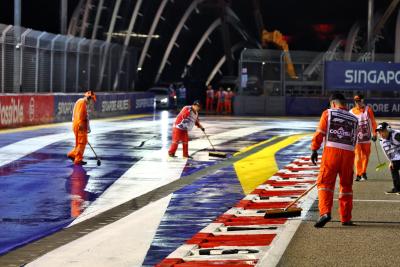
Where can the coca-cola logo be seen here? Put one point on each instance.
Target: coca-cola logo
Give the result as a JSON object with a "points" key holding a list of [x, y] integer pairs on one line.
{"points": [[12, 113], [340, 133]]}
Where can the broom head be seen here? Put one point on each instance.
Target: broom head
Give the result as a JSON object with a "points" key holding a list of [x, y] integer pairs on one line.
{"points": [[217, 154], [380, 166], [283, 213]]}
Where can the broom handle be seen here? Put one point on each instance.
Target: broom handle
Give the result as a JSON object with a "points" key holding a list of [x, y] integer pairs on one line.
{"points": [[377, 154], [93, 150], [209, 140], [302, 195]]}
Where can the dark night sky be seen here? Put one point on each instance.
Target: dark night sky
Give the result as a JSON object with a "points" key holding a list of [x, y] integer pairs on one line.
{"points": [[309, 24], [42, 15]]}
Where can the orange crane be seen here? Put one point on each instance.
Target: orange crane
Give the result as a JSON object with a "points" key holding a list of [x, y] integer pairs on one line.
{"points": [[277, 38]]}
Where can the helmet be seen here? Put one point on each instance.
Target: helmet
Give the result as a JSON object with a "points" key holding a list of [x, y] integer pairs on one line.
{"points": [[91, 94]]}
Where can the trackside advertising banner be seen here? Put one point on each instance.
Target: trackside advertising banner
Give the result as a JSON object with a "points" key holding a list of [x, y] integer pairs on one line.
{"points": [[303, 106], [107, 105], [344, 75], [21, 110]]}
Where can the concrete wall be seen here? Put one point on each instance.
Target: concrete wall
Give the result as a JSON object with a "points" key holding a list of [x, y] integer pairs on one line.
{"points": [[260, 105]]}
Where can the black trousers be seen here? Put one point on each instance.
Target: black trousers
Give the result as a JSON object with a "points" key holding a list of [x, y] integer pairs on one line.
{"points": [[395, 174]]}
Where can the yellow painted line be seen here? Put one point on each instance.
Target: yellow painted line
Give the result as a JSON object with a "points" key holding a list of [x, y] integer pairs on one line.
{"points": [[258, 167], [52, 125], [254, 146]]}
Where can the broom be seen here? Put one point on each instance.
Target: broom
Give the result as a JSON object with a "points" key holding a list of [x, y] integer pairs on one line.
{"points": [[380, 165], [97, 158], [288, 211], [214, 153]]}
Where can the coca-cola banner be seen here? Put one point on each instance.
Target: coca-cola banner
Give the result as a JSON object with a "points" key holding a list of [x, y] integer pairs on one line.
{"points": [[22, 110]]}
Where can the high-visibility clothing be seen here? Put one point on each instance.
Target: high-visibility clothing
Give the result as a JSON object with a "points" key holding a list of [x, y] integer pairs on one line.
{"points": [[186, 119], [220, 101], [362, 152], [80, 127], [210, 93], [338, 128], [391, 146], [228, 102], [366, 123], [184, 122], [179, 136], [366, 128], [209, 99]]}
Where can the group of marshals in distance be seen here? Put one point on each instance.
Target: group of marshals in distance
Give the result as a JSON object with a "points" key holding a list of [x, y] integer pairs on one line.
{"points": [[346, 136]]}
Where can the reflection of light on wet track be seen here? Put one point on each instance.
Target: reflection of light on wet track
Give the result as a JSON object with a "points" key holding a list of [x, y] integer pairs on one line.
{"points": [[126, 171], [164, 130]]}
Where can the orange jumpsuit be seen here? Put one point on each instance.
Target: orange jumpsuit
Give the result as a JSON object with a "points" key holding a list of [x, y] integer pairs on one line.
{"points": [[337, 158], [228, 102], [220, 101], [80, 125], [209, 99], [366, 126], [184, 122]]}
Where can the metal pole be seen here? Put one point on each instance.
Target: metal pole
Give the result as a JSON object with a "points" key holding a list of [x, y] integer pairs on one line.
{"points": [[126, 43], [226, 37], [37, 62], [17, 13], [52, 62], [3, 51], [23, 37], [97, 19], [65, 73], [17, 36], [63, 16], [77, 71], [370, 25], [262, 76]]}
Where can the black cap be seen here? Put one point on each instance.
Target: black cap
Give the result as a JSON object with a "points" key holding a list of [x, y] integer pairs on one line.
{"points": [[358, 97], [382, 126], [197, 103], [337, 96]]}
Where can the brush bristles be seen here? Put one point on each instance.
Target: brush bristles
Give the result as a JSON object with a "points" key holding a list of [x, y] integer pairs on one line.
{"points": [[282, 213], [217, 154]]}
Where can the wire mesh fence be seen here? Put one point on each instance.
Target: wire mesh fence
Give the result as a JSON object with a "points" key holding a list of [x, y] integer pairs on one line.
{"points": [[267, 72], [41, 62]]}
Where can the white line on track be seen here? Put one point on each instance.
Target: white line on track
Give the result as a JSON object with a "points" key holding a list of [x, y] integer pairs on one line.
{"points": [[280, 243], [152, 171]]}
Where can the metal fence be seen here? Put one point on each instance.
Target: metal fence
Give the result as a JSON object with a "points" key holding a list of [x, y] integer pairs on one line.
{"points": [[265, 72], [33, 61]]}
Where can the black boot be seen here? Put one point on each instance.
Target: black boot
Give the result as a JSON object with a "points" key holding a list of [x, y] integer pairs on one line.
{"points": [[349, 223], [323, 220], [71, 158], [358, 178], [364, 177]]}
